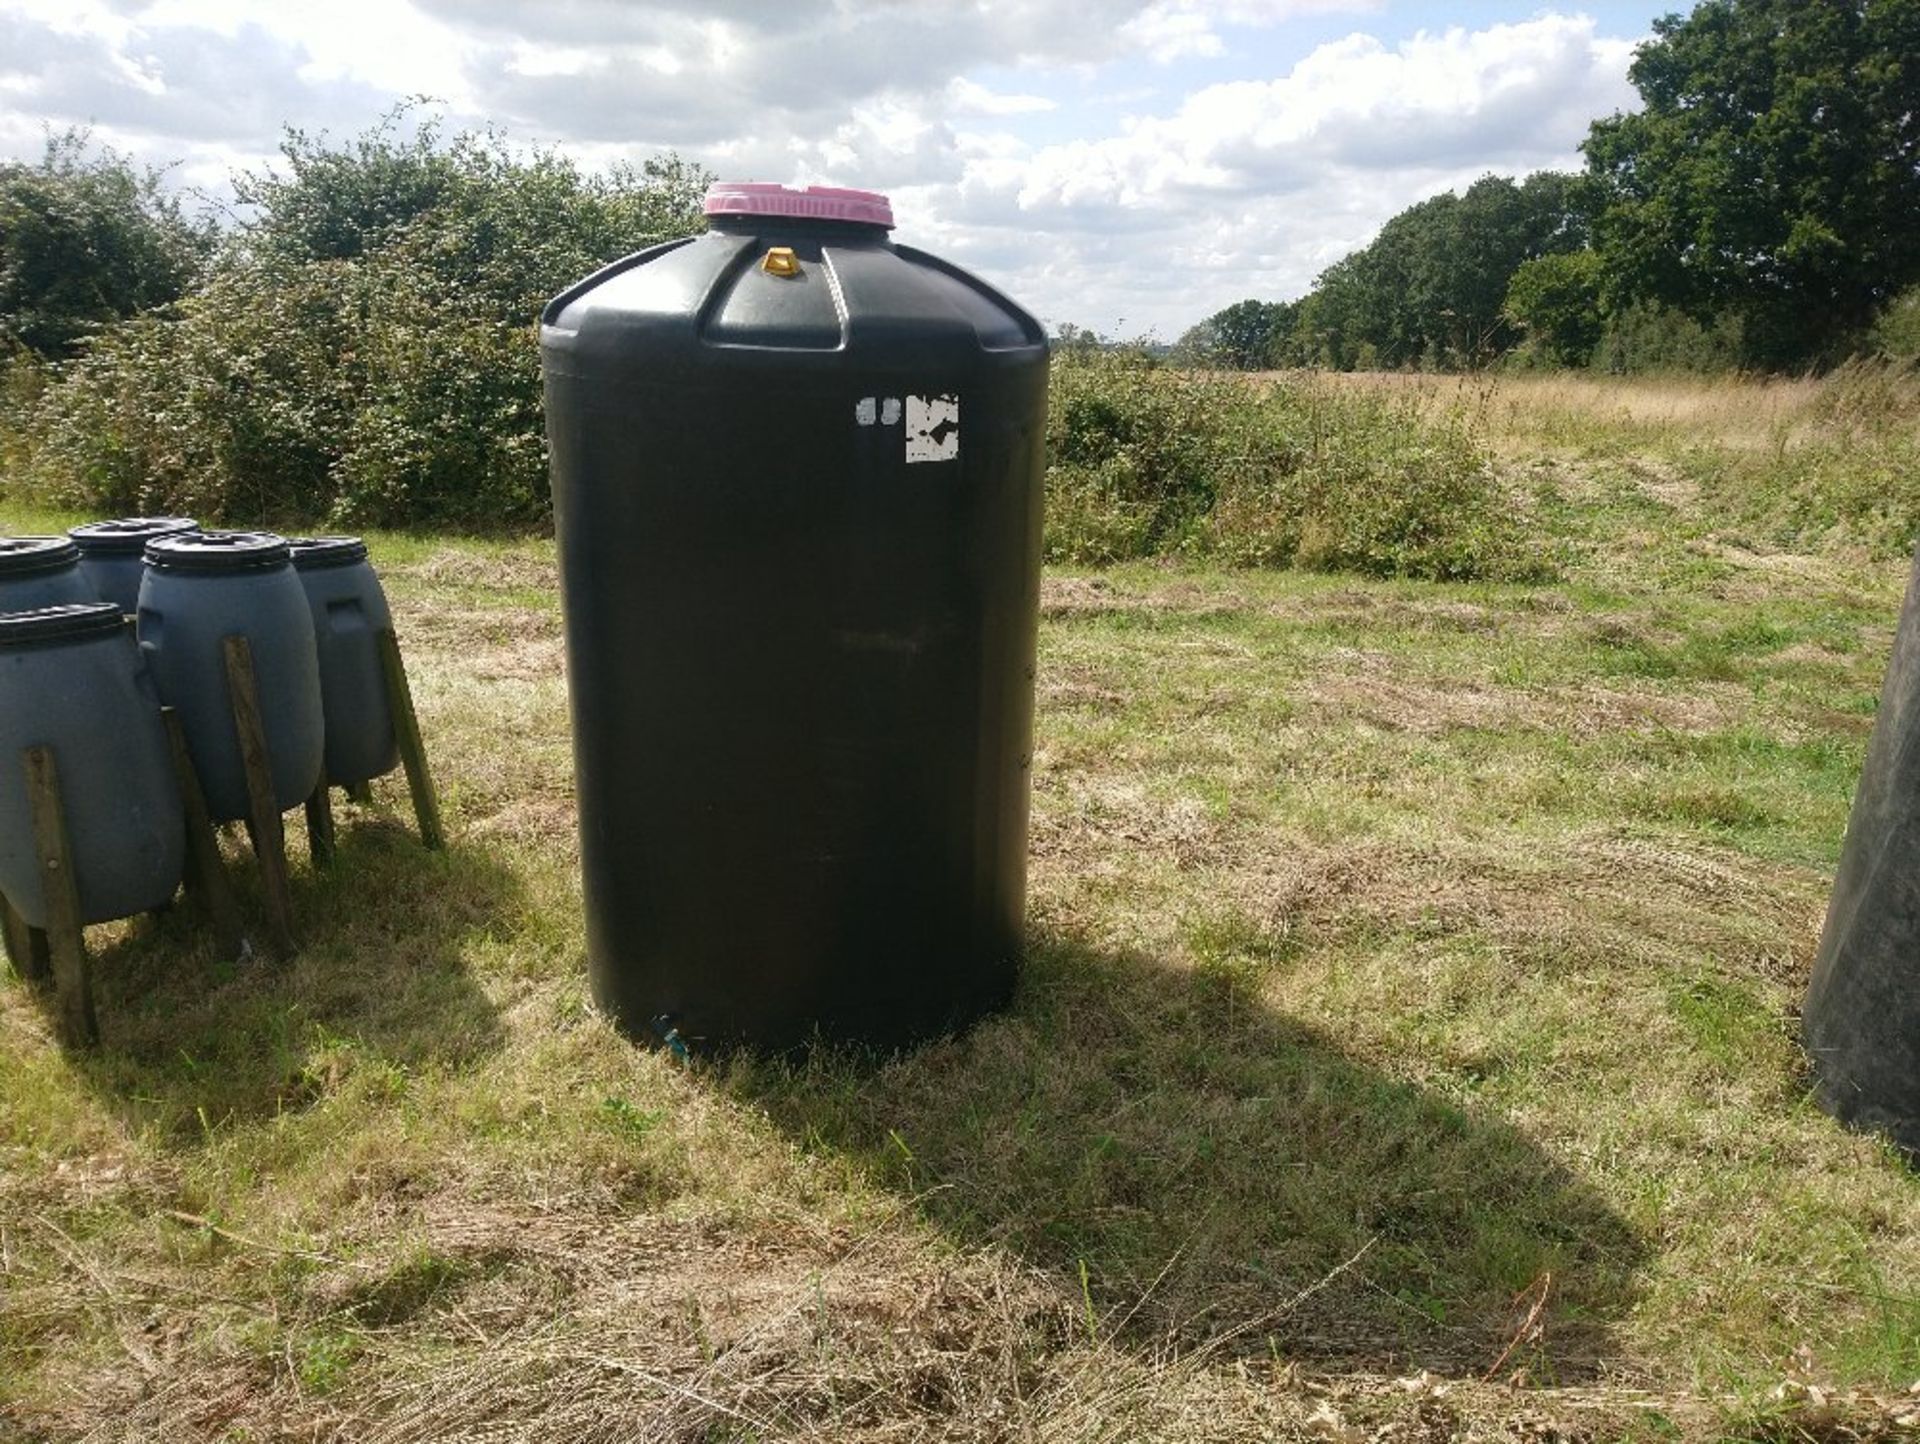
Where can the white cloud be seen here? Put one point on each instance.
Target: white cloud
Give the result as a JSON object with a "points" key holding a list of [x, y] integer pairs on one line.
{"points": [[185, 83], [204, 87], [965, 97], [1509, 97], [381, 43], [1253, 187], [1170, 30]]}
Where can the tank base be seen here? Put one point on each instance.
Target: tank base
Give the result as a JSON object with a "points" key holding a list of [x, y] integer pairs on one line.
{"points": [[884, 1028]]}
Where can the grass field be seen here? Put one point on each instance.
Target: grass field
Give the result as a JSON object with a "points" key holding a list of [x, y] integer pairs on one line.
{"points": [[1406, 1050]]}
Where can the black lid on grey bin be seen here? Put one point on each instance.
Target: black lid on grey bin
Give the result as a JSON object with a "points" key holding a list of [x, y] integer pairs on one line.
{"points": [[67, 623], [23, 556], [128, 533], [218, 551], [326, 551]]}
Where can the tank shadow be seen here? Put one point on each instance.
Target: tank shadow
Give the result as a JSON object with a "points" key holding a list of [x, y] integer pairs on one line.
{"points": [[190, 1039], [1193, 1169]]}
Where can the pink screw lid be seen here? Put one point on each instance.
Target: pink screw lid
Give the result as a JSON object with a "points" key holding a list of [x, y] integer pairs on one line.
{"points": [[813, 203]]}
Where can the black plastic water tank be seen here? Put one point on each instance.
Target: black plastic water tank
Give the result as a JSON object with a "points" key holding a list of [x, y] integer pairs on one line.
{"points": [[113, 553], [797, 483], [41, 571]]}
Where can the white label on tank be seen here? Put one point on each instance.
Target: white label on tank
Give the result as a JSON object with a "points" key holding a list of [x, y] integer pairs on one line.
{"points": [[865, 410], [933, 428], [890, 411]]}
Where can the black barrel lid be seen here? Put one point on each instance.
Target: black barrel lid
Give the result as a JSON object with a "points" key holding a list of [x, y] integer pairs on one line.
{"points": [[327, 551], [59, 624], [129, 533], [22, 556], [218, 551]]}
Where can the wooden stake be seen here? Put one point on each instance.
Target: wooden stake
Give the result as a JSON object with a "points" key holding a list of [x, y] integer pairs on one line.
{"points": [[13, 937], [26, 947], [406, 731], [206, 873], [73, 987], [269, 837], [39, 957], [320, 825]]}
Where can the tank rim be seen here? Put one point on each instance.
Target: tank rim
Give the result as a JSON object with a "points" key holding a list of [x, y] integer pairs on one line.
{"points": [[313, 552], [128, 534], [218, 552], [25, 556], [70, 622]]}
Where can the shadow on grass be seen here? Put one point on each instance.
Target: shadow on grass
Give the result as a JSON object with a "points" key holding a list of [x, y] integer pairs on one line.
{"points": [[191, 1040], [1195, 1169]]}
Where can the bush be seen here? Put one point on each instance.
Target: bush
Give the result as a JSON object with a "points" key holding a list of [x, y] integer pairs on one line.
{"points": [[85, 239], [23, 380], [1147, 461], [364, 351], [1136, 454]]}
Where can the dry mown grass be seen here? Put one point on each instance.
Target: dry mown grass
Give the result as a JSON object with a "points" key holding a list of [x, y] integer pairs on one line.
{"points": [[1795, 466], [1406, 1053], [1521, 408]]}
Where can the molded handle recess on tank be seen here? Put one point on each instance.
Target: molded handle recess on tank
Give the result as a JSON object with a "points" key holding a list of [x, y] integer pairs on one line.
{"points": [[551, 314], [1036, 333]]}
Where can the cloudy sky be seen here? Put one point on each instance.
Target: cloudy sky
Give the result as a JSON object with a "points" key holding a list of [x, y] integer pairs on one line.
{"points": [[1130, 165]]}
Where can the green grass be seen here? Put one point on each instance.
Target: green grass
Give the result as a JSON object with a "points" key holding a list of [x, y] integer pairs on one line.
{"points": [[1410, 1012]]}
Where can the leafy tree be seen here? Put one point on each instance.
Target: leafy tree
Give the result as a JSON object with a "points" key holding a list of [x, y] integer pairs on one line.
{"points": [[1645, 336], [1325, 323], [1464, 272], [1070, 339], [1431, 288], [85, 239], [1555, 300], [1773, 171], [1242, 336]]}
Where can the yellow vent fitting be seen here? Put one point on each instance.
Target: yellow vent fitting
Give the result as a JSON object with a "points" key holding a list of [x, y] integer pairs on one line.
{"points": [[780, 261]]}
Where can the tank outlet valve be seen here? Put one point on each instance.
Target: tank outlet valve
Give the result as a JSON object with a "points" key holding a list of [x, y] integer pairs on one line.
{"points": [[670, 1036], [780, 261]]}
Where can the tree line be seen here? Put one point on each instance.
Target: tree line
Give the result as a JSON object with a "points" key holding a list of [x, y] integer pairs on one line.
{"points": [[1758, 211]]}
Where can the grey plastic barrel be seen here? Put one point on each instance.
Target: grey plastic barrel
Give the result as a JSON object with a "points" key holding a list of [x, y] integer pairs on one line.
{"points": [[200, 589], [797, 485], [1862, 1015], [72, 679], [349, 613], [41, 571], [113, 553]]}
